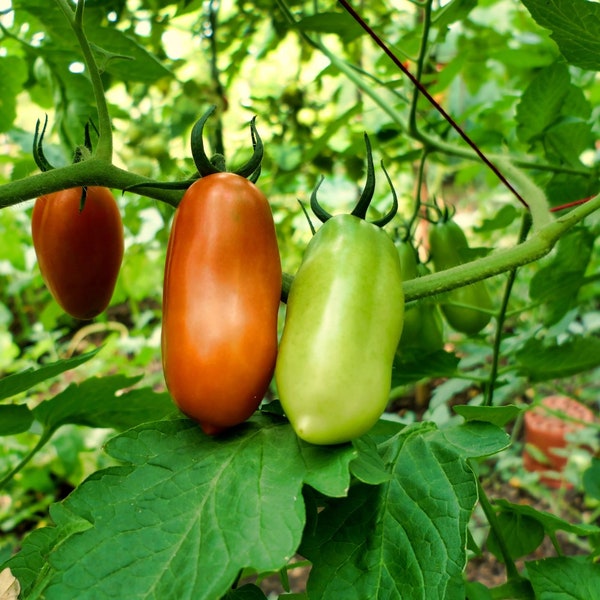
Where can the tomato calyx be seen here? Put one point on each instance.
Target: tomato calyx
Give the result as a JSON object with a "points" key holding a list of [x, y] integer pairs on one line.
{"points": [[209, 166], [38, 148], [364, 201]]}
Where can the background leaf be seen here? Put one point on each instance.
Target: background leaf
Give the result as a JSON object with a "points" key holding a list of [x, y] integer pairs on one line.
{"points": [[575, 26], [541, 361]]}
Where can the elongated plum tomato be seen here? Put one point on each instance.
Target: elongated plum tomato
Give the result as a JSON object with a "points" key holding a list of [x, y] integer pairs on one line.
{"points": [[469, 306], [343, 323], [220, 301], [79, 252]]}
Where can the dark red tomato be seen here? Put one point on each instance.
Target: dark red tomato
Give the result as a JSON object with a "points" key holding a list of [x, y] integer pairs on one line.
{"points": [[79, 252], [220, 301]]}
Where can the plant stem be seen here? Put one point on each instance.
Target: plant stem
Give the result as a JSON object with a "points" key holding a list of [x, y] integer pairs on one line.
{"points": [[499, 261], [512, 275], [46, 435], [104, 148], [490, 514], [90, 172]]}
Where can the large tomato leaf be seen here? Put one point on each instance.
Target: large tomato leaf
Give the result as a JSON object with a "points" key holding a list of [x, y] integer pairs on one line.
{"points": [[564, 577], [186, 512], [575, 26], [405, 538]]}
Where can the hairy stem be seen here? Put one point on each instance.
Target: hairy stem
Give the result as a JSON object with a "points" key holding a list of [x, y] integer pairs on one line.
{"points": [[90, 172], [104, 149]]}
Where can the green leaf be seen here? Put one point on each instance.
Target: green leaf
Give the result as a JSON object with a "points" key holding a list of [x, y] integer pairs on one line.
{"points": [[542, 101], [24, 380], [497, 415], [542, 361], [143, 66], [557, 283], [416, 365], [591, 479], [368, 466], [501, 220], [405, 538], [15, 418], [550, 522], [521, 533], [457, 10], [13, 73], [186, 511], [575, 26], [565, 577], [340, 23], [97, 402]]}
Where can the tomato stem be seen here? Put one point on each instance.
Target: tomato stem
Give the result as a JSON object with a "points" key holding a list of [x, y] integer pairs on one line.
{"points": [[250, 170], [360, 210], [38, 150], [105, 141]]}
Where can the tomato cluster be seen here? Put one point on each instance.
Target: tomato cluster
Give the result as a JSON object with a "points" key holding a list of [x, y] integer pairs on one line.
{"points": [[345, 319]]}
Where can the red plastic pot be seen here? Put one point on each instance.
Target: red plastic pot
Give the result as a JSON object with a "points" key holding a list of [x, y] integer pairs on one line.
{"points": [[547, 432]]}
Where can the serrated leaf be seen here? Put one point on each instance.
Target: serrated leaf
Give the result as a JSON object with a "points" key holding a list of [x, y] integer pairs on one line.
{"points": [[542, 361], [497, 415], [575, 27], [24, 380], [574, 578], [186, 511], [402, 539], [97, 402]]}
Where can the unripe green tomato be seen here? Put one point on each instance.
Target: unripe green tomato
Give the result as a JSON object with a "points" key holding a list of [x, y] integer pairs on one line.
{"points": [[446, 242], [343, 324]]}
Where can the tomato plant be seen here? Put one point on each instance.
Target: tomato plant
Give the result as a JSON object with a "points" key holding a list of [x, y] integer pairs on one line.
{"points": [[79, 248], [222, 286]]}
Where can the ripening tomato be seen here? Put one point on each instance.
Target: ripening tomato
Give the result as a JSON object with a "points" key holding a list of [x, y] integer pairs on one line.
{"points": [[343, 323], [221, 296], [79, 251], [467, 308]]}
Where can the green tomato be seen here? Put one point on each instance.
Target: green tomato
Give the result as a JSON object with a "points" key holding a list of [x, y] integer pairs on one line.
{"points": [[467, 308], [344, 320]]}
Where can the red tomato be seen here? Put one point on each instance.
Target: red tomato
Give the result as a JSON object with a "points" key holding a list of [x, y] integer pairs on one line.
{"points": [[79, 252], [220, 301]]}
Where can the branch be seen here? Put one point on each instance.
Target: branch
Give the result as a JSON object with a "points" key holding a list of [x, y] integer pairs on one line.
{"points": [[89, 172]]}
